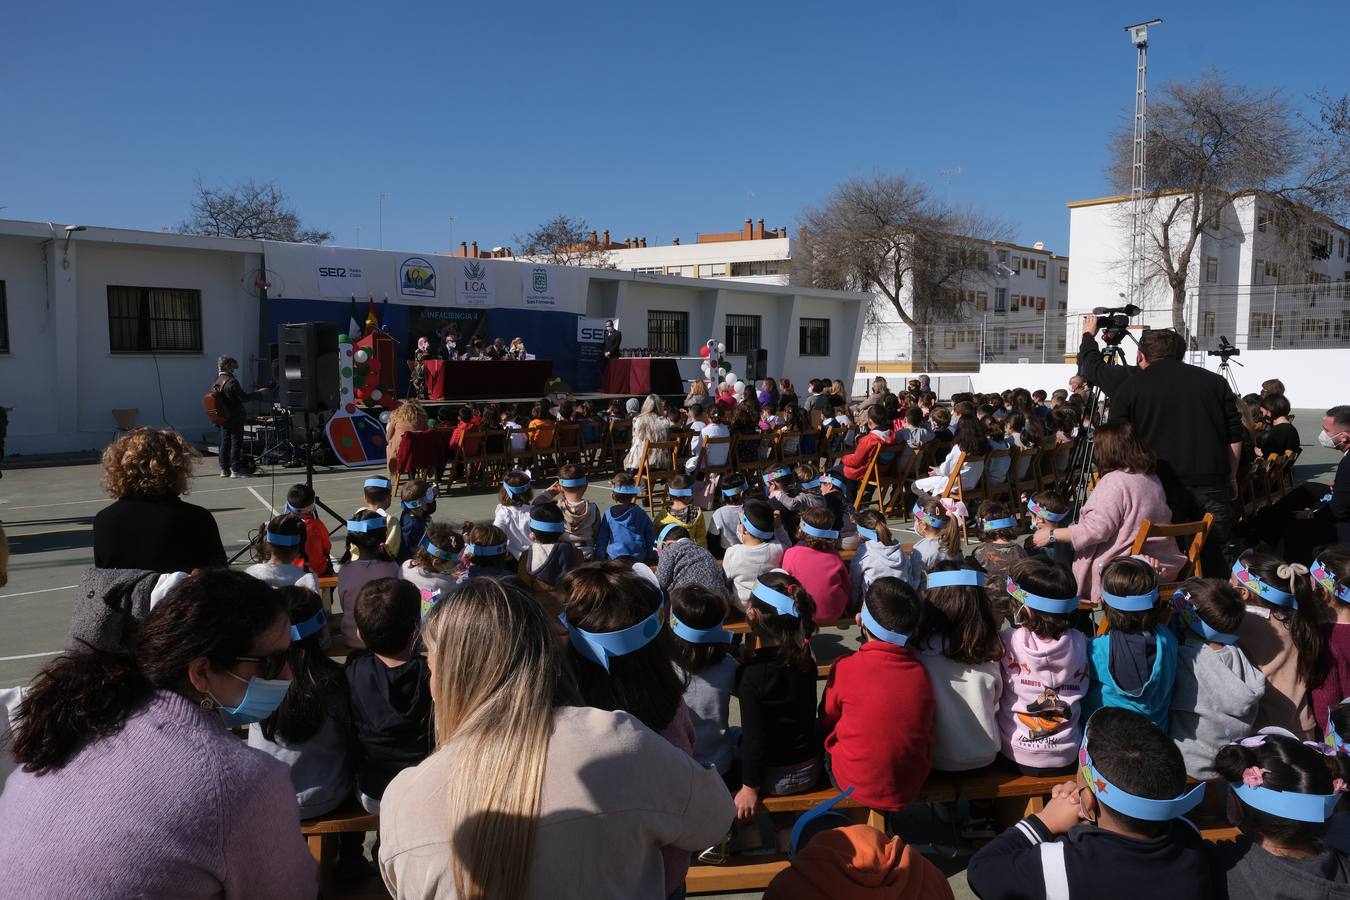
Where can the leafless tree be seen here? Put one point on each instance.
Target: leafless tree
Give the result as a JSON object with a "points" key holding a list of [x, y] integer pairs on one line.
{"points": [[888, 235], [248, 210], [1210, 142], [564, 241]]}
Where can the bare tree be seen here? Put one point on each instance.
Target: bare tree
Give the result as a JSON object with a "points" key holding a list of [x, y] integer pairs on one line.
{"points": [[1210, 142], [565, 241], [888, 235], [248, 210]]}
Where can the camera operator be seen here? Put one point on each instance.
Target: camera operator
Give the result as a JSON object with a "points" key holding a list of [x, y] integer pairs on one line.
{"points": [[1092, 365], [1188, 417]]}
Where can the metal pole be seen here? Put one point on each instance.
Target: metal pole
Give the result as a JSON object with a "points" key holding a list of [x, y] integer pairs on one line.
{"points": [[383, 195], [1274, 303], [984, 340], [1045, 332]]}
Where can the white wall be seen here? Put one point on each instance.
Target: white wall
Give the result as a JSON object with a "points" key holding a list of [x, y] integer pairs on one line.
{"points": [[995, 377], [28, 370]]}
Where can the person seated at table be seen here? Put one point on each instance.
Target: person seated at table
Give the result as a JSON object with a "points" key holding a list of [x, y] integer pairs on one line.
{"points": [[517, 349], [450, 349], [496, 350]]}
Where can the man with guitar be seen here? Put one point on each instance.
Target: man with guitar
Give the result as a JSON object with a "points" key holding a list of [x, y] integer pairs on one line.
{"points": [[225, 407]]}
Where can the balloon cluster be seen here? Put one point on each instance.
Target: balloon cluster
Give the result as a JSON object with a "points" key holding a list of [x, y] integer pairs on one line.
{"points": [[716, 367], [362, 382]]}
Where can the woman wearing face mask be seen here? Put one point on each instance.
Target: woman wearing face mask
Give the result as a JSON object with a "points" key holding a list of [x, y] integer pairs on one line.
{"points": [[131, 783], [1321, 516]]}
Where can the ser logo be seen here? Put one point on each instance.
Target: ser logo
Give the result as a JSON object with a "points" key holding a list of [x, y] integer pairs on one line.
{"points": [[333, 271], [593, 334]]}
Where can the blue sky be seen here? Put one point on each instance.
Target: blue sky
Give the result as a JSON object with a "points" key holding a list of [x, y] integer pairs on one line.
{"points": [[651, 119]]}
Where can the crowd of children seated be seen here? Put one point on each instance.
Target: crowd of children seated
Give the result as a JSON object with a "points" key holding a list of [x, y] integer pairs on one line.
{"points": [[972, 657]]}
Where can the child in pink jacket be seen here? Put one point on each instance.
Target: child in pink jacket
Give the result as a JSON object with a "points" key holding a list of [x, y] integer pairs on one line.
{"points": [[814, 561], [1045, 671]]}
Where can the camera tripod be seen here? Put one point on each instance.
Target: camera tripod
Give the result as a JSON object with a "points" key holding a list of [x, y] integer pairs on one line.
{"points": [[1226, 370], [1077, 477]]}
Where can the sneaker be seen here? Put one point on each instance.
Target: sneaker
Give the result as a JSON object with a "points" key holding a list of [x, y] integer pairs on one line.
{"points": [[238, 475], [717, 854], [224, 474]]}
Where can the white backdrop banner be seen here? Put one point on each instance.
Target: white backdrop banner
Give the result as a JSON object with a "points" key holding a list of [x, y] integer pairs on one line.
{"points": [[538, 285], [340, 273], [473, 283]]}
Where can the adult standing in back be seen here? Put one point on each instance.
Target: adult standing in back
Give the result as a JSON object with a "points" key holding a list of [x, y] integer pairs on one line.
{"points": [[1188, 417], [232, 429], [149, 525], [613, 340]]}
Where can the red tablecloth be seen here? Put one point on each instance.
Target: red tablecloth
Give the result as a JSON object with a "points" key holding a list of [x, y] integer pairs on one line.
{"points": [[642, 376], [471, 378]]}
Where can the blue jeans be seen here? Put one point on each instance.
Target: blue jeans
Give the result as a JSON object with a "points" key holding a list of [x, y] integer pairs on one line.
{"points": [[231, 445]]}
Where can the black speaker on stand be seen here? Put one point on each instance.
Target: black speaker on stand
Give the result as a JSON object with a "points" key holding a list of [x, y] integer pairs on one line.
{"points": [[307, 357], [756, 365]]}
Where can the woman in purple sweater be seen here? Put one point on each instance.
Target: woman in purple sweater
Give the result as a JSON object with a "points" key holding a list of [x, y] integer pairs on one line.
{"points": [[1128, 493], [131, 783]]}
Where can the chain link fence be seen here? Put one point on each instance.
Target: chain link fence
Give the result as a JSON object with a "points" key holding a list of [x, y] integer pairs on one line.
{"points": [[1271, 317]]}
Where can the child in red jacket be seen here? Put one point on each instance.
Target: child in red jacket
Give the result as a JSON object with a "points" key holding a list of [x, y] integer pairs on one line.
{"points": [[318, 545], [879, 439], [883, 682]]}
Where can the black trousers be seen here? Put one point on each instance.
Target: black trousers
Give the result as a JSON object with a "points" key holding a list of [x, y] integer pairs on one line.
{"points": [[231, 445], [1189, 503]]}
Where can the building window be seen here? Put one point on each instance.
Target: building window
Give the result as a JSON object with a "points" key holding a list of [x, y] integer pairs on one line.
{"points": [[154, 320], [1208, 329], [686, 271], [713, 270], [982, 301], [1212, 269], [815, 337], [1263, 218], [1000, 300], [4, 320], [1040, 268], [1040, 304], [668, 331], [649, 270], [759, 267], [1272, 270], [1315, 329], [949, 340], [742, 334], [1003, 257], [1063, 274]]}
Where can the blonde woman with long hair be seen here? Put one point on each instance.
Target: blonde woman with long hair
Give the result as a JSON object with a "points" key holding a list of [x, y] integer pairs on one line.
{"points": [[407, 416], [529, 795]]}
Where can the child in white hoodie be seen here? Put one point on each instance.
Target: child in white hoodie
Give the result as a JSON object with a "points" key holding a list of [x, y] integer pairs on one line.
{"points": [[880, 555], [1217, 690]]}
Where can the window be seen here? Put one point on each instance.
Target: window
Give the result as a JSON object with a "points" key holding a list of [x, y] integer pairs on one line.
{"points": [[1340, 247], [1063, 274], [1272, 269], [1017, 264], [668, 331], [649, 270], [1315, 329], [982, 260], [982, 300], [4, 321], [154, 320], [1040, 268], [742, 334], [713, 270], [1040, 304], [814, 337], [1263, 218], [1000, 300], [1261, 322], [1207, 330], [687, 271], [1319, 244], [949, 340], [1212, 269], [759, 267], [1003, 256]]}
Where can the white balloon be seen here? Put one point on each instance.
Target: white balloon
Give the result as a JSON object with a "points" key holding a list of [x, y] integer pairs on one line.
{"points": [[361, 356], [731, 378], [375, 395], [739, 387], [384, 417], [721, 347]]}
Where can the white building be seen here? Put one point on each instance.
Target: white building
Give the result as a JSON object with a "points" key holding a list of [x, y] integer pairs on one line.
{"points": [[98, 319]]}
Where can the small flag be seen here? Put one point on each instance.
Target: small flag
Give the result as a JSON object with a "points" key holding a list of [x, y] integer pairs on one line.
{"points": [[372, 321], [384, 315], [353, 326]]}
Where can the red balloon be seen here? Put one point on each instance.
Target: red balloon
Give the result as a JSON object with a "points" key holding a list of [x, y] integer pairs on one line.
{"points": [[703, 351]]}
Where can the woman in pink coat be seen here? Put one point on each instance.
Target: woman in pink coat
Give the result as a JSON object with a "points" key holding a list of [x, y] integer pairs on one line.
{"points": [[1128, 493]]}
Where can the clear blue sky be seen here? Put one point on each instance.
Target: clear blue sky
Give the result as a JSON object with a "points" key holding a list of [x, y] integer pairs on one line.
{"points": [[655, 119]]}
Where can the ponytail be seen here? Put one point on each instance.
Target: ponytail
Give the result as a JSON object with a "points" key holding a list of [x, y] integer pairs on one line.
{"points": [[793, 633], [1300, 617]]}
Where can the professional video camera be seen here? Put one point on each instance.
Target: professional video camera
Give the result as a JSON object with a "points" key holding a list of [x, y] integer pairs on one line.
{"points": [[1226, 350], [1115, 322]]}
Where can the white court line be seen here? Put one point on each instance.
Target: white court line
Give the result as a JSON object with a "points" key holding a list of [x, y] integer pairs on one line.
{"points": [[30, 656], [69, 587], [267, 506], [233, 487]]}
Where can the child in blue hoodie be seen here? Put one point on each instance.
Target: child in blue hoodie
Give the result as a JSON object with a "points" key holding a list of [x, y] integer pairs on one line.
{"points": [[1134, 664], [626, 530]]}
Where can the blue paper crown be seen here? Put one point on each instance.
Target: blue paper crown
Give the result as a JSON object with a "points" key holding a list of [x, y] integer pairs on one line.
{"points": [[776, 474], [485, 549], [515, 490], [365, 526], [956, 578], [732, 491], [600, 646], [435, 551], [781, 602], [866, 533], [573, 482], [1131, 602], [836, 481], [1333, 736], [1056, 606], [302, 630], [808, 485], [547, 527], [1128, 804], [1268, 592], [1328, 580], [299, 510], [284, 540], [1040, 511], [627, 490], [815, 812], [414, 504], [377, 482], [1187, 610], [680, 492], [1316, 808], [929, 519], [661, 538], [714, 635], [996, 524], [757, 532], [827, 534], [879, 631]]}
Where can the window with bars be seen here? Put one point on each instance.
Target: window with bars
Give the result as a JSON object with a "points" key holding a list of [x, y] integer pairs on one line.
{"points": [[1000, 300], [154, 320], [742, 334], [4, 320], [815, 337], [668, 331]]}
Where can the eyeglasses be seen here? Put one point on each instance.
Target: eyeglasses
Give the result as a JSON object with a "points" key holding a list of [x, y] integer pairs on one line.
{"points": [[272, 665]]}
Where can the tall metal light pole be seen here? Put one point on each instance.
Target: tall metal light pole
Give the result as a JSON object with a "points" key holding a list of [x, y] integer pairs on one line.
{"points": [[383, 197], [1138, 236]]}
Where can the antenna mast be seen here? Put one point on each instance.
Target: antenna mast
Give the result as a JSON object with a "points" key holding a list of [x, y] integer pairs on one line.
{"points": [[1139, 37]]}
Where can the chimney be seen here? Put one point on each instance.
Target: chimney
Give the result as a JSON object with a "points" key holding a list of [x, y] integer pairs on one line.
{"points": [[593, 238], [475, 249], [759, 230], [463, 248], [642, 242], [749, 231], [606, 237], [675, 243]]}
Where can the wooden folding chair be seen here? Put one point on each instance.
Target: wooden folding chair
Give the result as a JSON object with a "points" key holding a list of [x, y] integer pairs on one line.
{"points": [[990, 491], [618, 441], [1199, 532], [746, 451], [648, 475], [706, 469], [786, 441], [870, 481], [954, 489], [1024, 478], [566, 444], [592, 443]]}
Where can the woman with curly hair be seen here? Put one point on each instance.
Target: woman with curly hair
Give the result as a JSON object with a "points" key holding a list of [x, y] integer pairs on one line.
{"points": [[148, 525], [409, 416]]}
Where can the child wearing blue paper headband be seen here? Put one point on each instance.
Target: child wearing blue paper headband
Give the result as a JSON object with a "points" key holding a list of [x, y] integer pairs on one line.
{"points": [[756, 551], [1045, 670], [788, 499], [417, 502], [377, 491], [485, 553], [1282, 795], [1217, 690], [318, 545], [433, 565], [681, 561], [880, 555], [1048, 510], [1330, 574], [366, 559], [702, 649], [1279, 634], [581, 517], [1134, 664], [998, 552], [939, 532], [280, 543], [814, 561], [512, 514], [550, 556], [1111, 832], [626, 531], [681, 510], [834, 491]]}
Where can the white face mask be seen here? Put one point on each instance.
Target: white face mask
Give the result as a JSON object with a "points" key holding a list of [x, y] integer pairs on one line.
{"points": [[1326, 440]]}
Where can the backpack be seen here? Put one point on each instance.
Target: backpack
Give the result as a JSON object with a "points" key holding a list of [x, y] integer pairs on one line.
{"points": [[217, 410]]}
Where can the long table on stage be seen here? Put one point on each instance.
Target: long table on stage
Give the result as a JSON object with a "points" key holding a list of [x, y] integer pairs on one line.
{"points": [[470, 379], [642, 375]]}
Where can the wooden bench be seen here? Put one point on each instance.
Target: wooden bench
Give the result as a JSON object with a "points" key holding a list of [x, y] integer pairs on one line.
{"points": [[321, 834]]}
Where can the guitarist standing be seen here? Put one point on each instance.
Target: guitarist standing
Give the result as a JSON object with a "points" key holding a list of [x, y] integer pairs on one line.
{"points": [[233, 398]]}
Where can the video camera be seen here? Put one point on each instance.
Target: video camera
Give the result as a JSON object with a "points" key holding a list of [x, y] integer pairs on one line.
{"points": [[1226, 350], [1115, 322]]}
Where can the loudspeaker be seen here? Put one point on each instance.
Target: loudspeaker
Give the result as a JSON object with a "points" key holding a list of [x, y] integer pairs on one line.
{"points": [[308, 363], [756, 365]]}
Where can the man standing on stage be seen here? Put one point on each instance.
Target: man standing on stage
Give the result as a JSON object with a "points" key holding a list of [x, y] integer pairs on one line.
{"points": [[613, 339], [232, 429]]}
